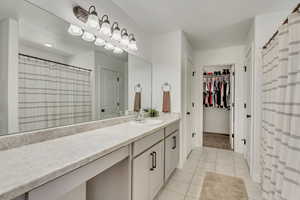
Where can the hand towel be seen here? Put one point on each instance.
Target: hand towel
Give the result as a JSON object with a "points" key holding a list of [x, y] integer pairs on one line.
{"points": [[166, 102], [137, 102]]}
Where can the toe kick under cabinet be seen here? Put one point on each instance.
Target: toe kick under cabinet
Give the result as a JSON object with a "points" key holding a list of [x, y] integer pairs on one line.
{"points": [[155, 158]]}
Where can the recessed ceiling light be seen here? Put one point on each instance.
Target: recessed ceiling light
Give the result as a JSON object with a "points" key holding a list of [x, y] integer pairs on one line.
{"points": [[48, 45]]}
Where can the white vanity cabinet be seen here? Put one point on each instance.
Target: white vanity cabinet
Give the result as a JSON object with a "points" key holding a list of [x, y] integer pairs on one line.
{"points": [[171, 153], [137, 171], [148, 173], [148, 166], [156, 157]]}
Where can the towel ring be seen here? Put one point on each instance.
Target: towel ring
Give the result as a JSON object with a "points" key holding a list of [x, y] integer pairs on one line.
{"points": [[166, 87], [138, 88]]}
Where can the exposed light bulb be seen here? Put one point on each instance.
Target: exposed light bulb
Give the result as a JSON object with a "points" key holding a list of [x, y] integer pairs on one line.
{"points": [[125, 38], [105, 26], [75, 30], [89, 37], [109, 46], [118, 50], [99, 42], [116, 33], [105, 29], [93, 20], [132, 45]]}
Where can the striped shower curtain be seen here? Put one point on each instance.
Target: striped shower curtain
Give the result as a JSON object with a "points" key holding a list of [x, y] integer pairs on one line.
{"points": [[281, 114]]}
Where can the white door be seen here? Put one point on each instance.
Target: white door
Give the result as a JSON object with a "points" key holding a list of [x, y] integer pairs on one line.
{"points": [[247, 106], [109, 94], [188, 125]]}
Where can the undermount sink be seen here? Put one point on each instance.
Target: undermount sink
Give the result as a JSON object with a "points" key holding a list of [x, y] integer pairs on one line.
{"points": [[147, 122]]}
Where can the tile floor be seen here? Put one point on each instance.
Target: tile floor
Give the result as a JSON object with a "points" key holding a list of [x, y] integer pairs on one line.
{"points": [[186, 183]]}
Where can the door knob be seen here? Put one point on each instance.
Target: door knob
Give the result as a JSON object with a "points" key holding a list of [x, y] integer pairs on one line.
{"points": [[188, 113], [102, 110], [248, 116]]}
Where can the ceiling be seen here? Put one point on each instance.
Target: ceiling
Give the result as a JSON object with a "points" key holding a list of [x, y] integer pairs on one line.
{"points": [[207, 23]]}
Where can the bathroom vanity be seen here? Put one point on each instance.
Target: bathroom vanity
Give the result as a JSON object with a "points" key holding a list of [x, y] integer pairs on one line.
{"points": [[124, 161]]}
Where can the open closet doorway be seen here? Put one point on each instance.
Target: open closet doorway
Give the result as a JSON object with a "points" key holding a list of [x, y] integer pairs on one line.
{"points": [[218, 106]]}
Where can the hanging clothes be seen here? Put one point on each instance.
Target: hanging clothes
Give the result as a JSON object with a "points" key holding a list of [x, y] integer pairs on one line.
{"points": [[216, 90]]}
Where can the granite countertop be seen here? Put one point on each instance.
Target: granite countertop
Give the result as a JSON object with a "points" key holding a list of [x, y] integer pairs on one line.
{"points": [[25, 168]]}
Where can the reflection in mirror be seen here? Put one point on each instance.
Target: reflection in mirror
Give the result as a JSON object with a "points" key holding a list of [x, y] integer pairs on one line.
{"points": [[51, 78], [139, 83]]}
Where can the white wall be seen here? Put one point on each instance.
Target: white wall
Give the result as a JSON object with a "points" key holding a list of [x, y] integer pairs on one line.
{"points": [[139, 72], [167, 67], [229, 55], [41, 53], [166, 60], [9, 76], [85, 60]]}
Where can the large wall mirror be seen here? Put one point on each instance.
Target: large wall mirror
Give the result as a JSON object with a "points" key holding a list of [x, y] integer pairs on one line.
{"points": [[50, 78]]}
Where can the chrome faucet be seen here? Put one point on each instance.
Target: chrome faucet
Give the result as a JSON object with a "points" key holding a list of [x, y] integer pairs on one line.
{"points": [[140, 116]]}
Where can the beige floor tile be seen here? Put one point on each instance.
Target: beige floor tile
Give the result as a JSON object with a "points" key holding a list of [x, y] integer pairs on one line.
{"points": [[169, 195], [181, 176], [177, 186], [189, 180]]}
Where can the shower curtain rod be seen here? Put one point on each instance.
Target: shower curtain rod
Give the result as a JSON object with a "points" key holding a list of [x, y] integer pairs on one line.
{"points": [[51, 61], [285, 22]]}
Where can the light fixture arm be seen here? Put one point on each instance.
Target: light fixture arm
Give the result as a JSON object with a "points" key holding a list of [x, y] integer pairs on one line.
{"points": [[131, 37], [92, 10], [115, 26], [124, 31], [104, 18]]}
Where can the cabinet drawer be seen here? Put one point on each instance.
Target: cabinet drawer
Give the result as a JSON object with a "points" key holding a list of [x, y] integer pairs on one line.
{"points": [[172, 128], [147, 142]]}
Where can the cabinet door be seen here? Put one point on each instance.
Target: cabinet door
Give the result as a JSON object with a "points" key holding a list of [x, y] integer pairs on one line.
{"points": [[157, 174], [175, 150], [171, 154], [141, 176]]}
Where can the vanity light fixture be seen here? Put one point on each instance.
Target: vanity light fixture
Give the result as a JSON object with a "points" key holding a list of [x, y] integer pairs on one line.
{"points": [[132, 43], [105, 28], [99, 42], [118, 50], [109, 46], [93, 20], [125, 37], [87, 36], [116, 32], [99, 29], [75, 30]]}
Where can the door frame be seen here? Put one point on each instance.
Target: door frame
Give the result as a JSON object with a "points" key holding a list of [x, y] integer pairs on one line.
{"points": [[197, 94], [250, 50]]}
